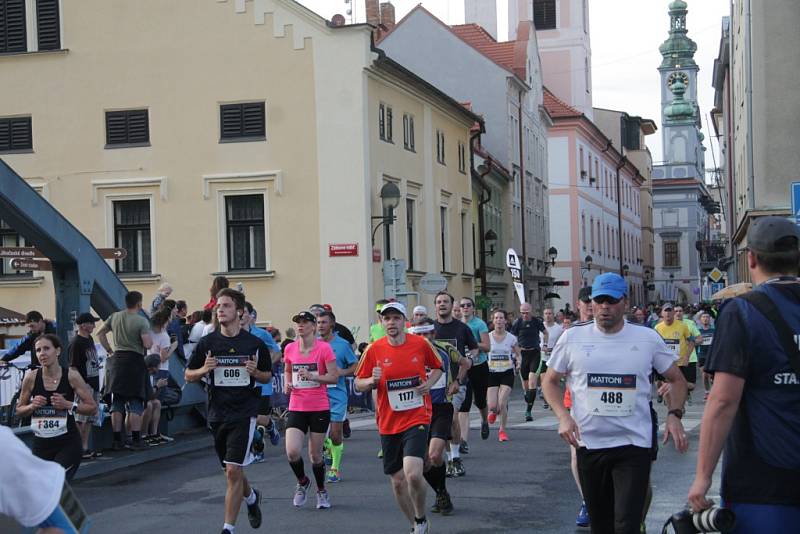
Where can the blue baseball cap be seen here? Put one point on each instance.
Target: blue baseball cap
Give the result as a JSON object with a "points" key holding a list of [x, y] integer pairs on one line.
{"points": [[610, 284]]}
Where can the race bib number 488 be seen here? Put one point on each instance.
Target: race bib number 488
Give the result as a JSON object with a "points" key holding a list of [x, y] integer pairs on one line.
{"points": [[611, 395]]}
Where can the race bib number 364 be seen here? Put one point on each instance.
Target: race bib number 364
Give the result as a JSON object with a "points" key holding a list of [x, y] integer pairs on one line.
{"points": [[231, 372], [611, 395], [403, 394]]}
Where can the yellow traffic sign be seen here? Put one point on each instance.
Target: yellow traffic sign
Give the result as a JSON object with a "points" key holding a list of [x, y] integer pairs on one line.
{"points": [[715, 275]]}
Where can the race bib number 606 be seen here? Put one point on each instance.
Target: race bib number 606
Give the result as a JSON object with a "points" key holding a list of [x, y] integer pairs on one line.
{"points": [[611, 395], [231, 371]]}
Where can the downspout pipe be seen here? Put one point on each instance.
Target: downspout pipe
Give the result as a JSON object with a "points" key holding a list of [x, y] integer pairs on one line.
{"points": [[522, 189], [748, 46]]}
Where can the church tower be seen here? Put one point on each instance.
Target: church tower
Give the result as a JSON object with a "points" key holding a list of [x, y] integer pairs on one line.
{"points": [[682, 138]]}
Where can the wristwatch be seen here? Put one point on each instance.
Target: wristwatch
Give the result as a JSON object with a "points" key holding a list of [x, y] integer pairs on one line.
{"points": [[677, 412], [74, 409]]}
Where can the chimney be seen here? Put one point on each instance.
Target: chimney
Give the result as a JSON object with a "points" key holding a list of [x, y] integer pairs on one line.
{"points": [[373, 12], [387, 15]]}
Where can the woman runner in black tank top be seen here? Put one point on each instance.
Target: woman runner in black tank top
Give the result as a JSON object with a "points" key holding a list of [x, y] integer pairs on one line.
{"points": [[48, 396]]}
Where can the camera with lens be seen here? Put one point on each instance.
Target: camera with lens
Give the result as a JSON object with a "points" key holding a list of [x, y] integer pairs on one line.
{"points": [[713, 519]]}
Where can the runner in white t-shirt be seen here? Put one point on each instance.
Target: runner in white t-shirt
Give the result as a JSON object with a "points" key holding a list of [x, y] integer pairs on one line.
{"points": [[554, 331], [607, 363], [504, 361]]}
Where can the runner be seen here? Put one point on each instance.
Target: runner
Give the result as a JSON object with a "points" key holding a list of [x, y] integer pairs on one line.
{"points": [[459, 335], [527, 329], [396, 366], [442, 414], [337, 393], [83, 358], [478, 374], [309, 365], [585, 314], [678, 339], [503, 365], [607, 363], [51, 396], [707, 338], [691, 367], [553, 333], [233, 360]]}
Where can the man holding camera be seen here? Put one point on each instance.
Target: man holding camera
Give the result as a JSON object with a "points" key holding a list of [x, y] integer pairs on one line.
{"points": [[608, 363], [754, 407]]}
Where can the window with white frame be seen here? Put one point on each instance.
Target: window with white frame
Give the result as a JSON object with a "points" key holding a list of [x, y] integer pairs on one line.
{"points": [[408, 131], [132, 232], [462, 157], [245, 232], [440, 147]]}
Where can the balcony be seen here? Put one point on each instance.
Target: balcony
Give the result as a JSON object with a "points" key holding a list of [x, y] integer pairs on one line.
{"points": [[711, 251]]}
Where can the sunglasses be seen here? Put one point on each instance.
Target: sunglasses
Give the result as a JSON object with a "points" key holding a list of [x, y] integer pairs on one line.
{"points": [[606, 299], [466, 305]]}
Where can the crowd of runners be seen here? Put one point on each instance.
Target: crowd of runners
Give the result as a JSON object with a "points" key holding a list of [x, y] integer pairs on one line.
{"points": [[599, 371]]}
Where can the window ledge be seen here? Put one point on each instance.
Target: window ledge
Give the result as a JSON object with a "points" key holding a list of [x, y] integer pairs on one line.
{"points": [[21, 281], [34, 52], [448, 274], [125, 145], [247, 275], [410, 149], [19, 151], [243, 139], [467, 276], [414, 274], [140, 277]]}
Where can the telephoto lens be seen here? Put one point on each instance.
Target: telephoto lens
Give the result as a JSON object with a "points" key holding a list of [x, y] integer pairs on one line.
{"points": [[714, 520]]}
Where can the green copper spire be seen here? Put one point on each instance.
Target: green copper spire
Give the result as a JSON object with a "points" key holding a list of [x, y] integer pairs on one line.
{"points": [[678, 50], [679, 109]]}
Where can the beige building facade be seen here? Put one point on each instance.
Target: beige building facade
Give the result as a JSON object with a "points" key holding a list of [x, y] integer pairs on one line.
{"points": [[232, 138]]}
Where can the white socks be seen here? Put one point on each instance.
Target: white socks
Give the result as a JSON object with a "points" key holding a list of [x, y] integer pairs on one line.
{"points": [[251, 499], [454, 451]]}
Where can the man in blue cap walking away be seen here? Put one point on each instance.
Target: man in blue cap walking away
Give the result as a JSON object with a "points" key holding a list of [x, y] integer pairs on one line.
{"points": [[607, 363]]}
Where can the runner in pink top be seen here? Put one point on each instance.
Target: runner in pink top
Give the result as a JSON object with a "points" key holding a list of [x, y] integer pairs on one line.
{"points": [[310, 365]]}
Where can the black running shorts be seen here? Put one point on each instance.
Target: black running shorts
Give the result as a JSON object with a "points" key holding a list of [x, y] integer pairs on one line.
{"points": [[232, 440], [689, 372], [265, 405], [442, 421], [412, 442], [506, 378], [316, 422], [476, 387], [531, 358]]}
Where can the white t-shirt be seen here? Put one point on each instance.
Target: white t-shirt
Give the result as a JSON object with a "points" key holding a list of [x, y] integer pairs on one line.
{"points": [[160, 341], [608, 376], [553, 333], [207, 329], [36, 487], [501, 353], [197, 331]]}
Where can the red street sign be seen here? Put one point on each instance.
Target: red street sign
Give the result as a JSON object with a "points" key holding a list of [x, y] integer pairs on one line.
{"points": [[112, 253], [342, 249], [20, 252], [376, 255], [31, 265], [561, 283]]}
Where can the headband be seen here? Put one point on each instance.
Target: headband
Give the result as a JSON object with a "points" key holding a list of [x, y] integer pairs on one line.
{"points": [[422, 329]]}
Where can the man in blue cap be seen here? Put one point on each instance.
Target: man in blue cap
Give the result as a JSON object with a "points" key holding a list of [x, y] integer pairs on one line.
{"points": [[607, 363]]}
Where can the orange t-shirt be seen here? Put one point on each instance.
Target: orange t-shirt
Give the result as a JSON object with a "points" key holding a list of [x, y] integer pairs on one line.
{"points": [[403, 368]]}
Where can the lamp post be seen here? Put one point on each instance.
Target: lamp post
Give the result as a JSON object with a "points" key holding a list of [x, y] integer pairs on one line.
{"points": [[671, 286], [553, 253], [588, 261], [390, 199]]}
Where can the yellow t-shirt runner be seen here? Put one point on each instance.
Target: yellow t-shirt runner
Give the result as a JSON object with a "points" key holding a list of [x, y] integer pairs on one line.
{"points": [[676, 336]]}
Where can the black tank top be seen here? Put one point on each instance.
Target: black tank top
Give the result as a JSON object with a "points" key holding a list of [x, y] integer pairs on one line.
{"points": [[64, 388]]}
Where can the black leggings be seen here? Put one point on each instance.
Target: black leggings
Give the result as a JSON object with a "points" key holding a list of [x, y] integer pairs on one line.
{"points": [[614, 483], [477, 386], [64, 450]]}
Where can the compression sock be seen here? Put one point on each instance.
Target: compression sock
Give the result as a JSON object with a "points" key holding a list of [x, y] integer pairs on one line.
{"points": [[299, 470], [327, 444], [454, 451], [319, 475], [436, 477], [251, 499], [336, 455], [230, 528]]}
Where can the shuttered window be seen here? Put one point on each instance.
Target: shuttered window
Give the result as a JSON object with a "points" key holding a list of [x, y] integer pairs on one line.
{"points": [[13, 37], [544, 14], [128, 127], [15, 134], [132, 232], [48, 26], [242, 121], [244, 218]]}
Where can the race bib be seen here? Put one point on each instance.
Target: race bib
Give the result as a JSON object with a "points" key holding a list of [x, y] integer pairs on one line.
{"points": [[48, 422], [707, 340], [403, 395], [674, 346], [500, 362], [299, 383], [611, 395], [231, 372]]}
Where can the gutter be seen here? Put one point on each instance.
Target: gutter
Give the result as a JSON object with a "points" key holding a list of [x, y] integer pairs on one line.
{"points": [[751, 200]]}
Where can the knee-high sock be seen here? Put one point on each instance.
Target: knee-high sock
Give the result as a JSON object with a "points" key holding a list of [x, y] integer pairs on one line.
{"points": [[336, 455], [319, 475]]}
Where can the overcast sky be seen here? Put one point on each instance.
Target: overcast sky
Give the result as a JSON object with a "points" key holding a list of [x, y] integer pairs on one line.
{"points": [[625, 38]]}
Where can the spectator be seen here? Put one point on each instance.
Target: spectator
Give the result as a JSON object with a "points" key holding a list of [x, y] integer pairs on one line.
{"points": [[175, 327], [276, 334], [195, 319], [161, 392], [219, 283], [289, 338], [199, 327], [83, 358], [126, 377], [36, 327], [161, 347], [164, 291]]}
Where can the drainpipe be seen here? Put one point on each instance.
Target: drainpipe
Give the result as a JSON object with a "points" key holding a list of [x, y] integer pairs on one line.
{"points": [[623, 160], [749, 97], [522, 189]]}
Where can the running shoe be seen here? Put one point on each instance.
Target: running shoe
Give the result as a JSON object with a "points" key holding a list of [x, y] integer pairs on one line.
{"points": [[165, 439], [258, 440], [254, 511], [300, 493], [463, 448], [492, 418], [540, 393], [458, 467], [545, 405], [422, 528], [443, 503], [226, 531], [380, 453], [528, 416], [258, 457], [139, 445], [642, 528], [583, 516], [502, 436], [87, 455], [705, 397], [450, 472], [323, 501], [334, 476], [274, 435], [346, 429], [484, 430]]}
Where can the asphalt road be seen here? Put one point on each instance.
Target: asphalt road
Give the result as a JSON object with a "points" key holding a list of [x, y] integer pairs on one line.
{"points": [[523, 485]]}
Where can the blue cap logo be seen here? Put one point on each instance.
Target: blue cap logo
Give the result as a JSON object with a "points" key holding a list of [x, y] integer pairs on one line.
{"points": [[610, 284]]}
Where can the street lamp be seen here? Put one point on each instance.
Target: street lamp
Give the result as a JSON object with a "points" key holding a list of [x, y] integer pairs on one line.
{"points": [[588, 261], [390, 199], [553, 253], [671, 286], [625, 270], [490, 237]]}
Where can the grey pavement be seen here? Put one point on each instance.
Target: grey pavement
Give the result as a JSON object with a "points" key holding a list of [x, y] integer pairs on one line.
{"points": [[524, 485]]}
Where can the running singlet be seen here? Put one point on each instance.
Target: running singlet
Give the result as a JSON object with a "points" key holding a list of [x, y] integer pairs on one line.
{"points": [[501, 353], [48, 421], [676, 337], [400, 407], [233, 394], [308, 395]]}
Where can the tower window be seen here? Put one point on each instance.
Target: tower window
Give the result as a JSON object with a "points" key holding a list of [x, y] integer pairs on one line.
{"points": [[544, 14]]}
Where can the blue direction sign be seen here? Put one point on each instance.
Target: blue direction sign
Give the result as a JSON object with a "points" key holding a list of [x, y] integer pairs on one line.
{"points": [[796, 202]]}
